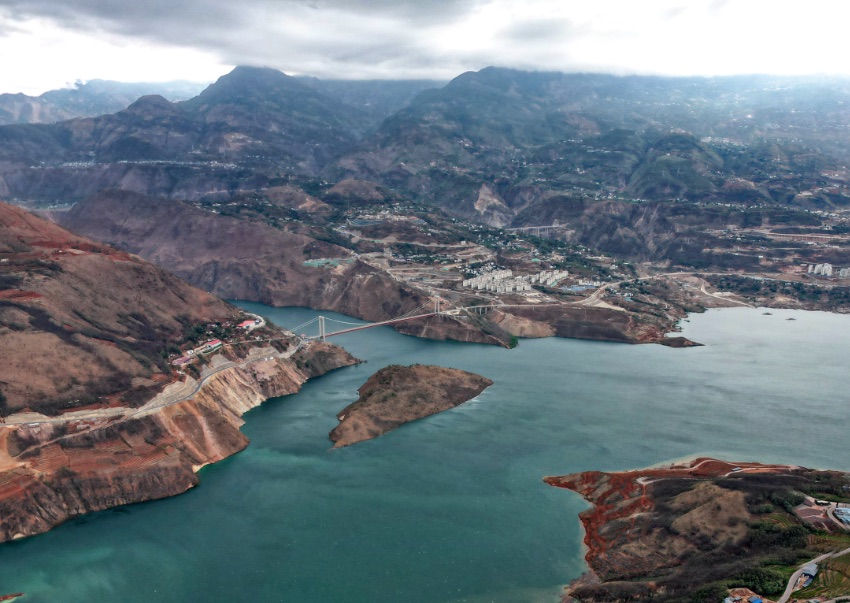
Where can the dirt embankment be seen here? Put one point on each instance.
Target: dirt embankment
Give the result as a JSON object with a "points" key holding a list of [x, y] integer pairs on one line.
{"points": [[240, 259], [396, 395], [51, 472]]}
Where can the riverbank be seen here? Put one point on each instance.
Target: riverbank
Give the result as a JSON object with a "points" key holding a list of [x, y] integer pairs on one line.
{"points": [[286, 518], [697, 527], [53, 470]]}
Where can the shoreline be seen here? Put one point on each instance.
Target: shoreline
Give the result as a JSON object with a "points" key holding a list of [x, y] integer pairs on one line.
{"points": [[50, 475]]}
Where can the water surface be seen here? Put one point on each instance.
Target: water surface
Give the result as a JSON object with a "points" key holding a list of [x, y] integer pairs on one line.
{"points": [[452, 508]]}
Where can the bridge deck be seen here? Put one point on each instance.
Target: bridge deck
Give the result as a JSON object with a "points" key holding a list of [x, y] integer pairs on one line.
{"points": [[375, 324]]}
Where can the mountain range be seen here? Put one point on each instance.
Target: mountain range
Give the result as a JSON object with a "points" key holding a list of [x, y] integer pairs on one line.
{"points": [[95, 97], [489, 145]]}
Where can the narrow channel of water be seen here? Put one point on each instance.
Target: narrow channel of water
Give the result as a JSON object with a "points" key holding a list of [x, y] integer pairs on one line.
{"points": [[452, 508]]}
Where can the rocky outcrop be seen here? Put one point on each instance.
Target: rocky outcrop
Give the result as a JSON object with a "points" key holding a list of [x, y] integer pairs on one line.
{"points": [[468, 329], [51, 472], [396, 395], [679, 342]]}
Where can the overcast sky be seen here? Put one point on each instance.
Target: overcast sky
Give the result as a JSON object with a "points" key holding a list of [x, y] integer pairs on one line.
{"points": [[48, 44]]}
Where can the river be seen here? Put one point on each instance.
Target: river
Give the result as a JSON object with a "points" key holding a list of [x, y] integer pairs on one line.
{"points": [[452, 508]]}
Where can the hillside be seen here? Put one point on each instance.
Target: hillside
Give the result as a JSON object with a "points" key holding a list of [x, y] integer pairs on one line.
{"points": [[503, 140], [239, 259], [95, 97], [487, 145], [689, 532], [81, 321], [250, 125], [91, 414], [376, 99]]}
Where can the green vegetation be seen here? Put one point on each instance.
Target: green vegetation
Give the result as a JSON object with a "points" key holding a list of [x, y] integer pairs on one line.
{"points": [[831, 296], [833, 580], [762, 558]]}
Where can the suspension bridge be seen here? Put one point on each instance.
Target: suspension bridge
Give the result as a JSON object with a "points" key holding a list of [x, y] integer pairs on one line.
{"points": [[430, 308]]}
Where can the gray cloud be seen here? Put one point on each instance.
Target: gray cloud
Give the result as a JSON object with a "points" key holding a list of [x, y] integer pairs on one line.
{"points": [[416, 38], [337, 38], [541, 30]]}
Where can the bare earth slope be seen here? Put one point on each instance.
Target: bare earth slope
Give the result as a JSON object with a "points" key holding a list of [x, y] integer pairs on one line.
{"points": [[396, 395], [239, 259], [51, 472], [80, 319], [82, 324], [688, 532]]}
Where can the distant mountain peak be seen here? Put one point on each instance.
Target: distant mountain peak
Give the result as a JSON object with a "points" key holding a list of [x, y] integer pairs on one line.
{"points": [[245, 82], [151, 104]]}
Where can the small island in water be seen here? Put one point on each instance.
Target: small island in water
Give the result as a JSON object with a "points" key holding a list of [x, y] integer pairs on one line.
{"points": [[396, 395], [707, 530]]}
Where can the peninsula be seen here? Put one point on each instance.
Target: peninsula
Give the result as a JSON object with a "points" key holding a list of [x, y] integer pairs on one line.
{"points": [[708, 529]]}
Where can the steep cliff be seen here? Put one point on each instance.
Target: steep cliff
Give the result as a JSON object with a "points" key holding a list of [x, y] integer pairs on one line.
{"points": [[55, 470]]}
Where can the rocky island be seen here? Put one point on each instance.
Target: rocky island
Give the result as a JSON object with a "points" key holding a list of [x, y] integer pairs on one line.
{"points": [[396, 395], [692, 532]]}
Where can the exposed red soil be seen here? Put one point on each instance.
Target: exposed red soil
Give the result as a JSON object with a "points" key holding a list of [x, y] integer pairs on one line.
{"points": [[98, 323], [617, 496], [18, 295]]}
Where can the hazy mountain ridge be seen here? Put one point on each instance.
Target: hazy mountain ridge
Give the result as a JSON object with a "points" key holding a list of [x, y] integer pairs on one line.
{"points": [[489, 145], [524, 134], [95, 97], [500, 146]]}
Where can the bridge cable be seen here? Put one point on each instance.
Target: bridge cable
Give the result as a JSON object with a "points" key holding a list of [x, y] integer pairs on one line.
{"points": [[301, 326]]}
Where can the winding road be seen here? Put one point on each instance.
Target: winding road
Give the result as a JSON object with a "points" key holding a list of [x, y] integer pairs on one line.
{"points": [[789, 590], [162, 400]]}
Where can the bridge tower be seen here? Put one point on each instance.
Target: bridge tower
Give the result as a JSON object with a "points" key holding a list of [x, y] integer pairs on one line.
{"points": [[322, 328], [437, 305]]}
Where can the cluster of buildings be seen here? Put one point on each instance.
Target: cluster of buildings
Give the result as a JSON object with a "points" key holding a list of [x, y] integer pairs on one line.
{"points": [[504, 281], [498, 281], [549, 277], [213, 345], [206, 348], [821, 269], [828, 270]]}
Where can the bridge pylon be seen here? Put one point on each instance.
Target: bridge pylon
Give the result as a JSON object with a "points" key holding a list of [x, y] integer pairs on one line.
{"points": [[322, 331]]}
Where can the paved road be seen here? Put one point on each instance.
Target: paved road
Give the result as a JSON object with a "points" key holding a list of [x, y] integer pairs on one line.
{"points": [[174, 398], [796, 575], [830, 511], [221, 367]]}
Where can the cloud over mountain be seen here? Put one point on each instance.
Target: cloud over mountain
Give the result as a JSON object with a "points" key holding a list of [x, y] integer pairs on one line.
{"points": [[439, 39]]}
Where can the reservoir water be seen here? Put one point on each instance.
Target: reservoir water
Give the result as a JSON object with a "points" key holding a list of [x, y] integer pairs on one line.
{"points": [[452, 508]]}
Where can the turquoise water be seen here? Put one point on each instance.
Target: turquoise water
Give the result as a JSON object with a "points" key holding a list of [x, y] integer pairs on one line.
{"points": [[452, 508]]}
